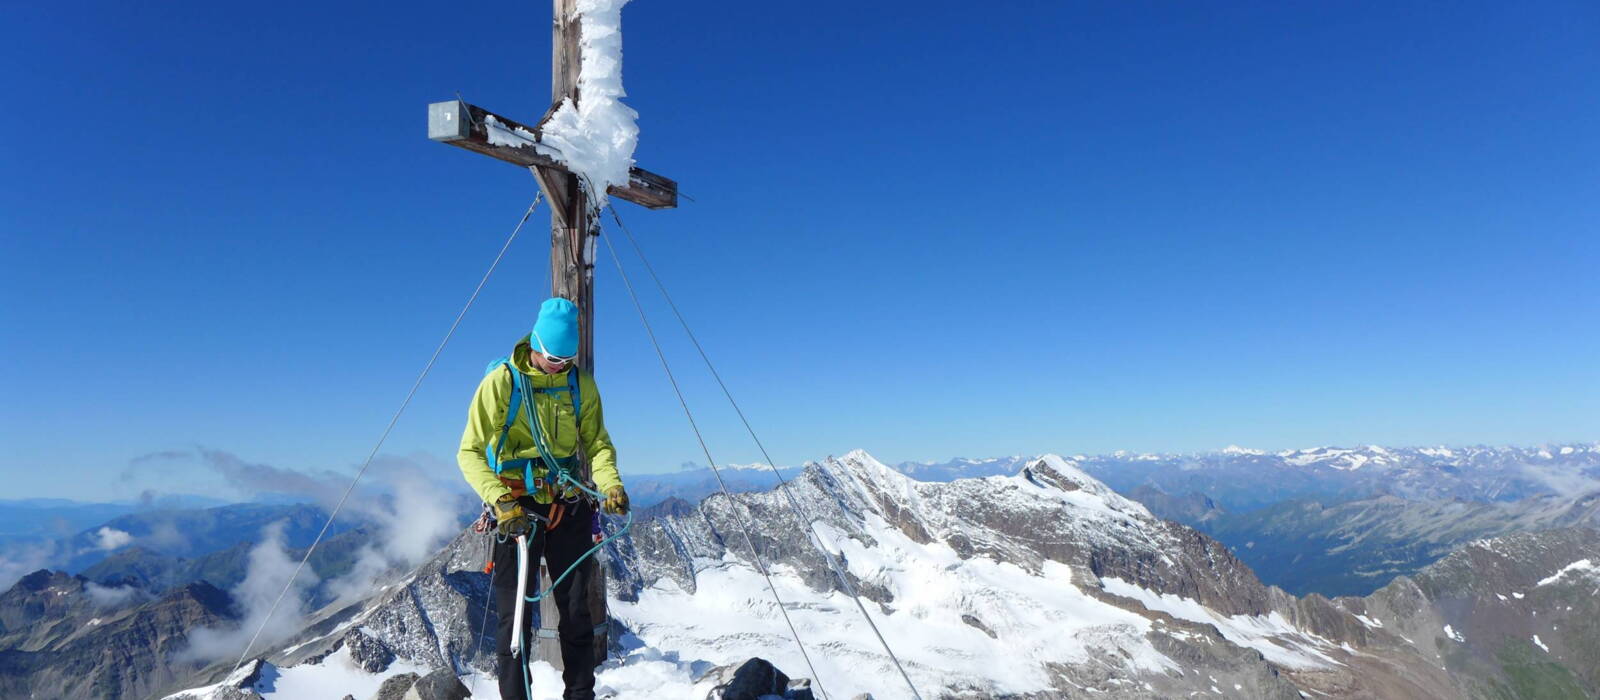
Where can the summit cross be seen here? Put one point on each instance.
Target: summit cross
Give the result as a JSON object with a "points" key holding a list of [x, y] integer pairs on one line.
{"points": [[574, 227]]}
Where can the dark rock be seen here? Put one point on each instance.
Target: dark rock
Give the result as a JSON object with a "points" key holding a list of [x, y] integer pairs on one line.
{"points": [[368, 653], [754, 679], [395, 687], [441, 684], [975, 622]]}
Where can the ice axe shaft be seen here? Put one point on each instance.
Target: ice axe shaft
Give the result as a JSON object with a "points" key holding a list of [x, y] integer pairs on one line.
{"points": [[522, 595]]}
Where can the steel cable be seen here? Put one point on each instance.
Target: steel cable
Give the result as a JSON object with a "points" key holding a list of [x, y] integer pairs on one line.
{"points": [[782, 483], [733, 505], [385, 436]]}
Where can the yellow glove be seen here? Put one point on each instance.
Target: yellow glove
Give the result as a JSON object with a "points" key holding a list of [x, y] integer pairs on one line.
{"points": [[616, 501], [513, 521]]}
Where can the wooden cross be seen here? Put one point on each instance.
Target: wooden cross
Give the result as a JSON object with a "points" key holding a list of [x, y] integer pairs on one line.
{"points": [[573, 228]]}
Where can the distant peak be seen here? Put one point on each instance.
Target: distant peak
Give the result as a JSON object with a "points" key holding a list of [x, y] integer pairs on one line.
{"points": [[860, 454]]}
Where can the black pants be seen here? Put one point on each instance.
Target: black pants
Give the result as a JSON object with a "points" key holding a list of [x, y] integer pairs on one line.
{"points": [[560, 548]]}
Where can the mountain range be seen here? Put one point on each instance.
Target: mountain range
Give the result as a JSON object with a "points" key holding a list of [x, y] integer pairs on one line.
{"points": [[1045, 583], [1041, 581]]}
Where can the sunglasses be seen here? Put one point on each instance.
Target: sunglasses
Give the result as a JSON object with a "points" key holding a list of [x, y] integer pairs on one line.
{"points": [[552, 359]]}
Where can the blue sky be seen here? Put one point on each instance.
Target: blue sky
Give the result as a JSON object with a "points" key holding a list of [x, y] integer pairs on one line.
{"points": [[917, 228]]}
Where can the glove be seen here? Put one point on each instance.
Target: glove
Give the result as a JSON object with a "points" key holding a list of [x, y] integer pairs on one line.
{"points": [[513, 521], [616, 501]]}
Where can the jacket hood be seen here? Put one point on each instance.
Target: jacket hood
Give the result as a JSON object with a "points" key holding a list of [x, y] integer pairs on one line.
{"points": [[522, 360]]}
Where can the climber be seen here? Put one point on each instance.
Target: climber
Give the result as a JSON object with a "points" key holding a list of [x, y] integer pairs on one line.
{"points": [[506, 463]]}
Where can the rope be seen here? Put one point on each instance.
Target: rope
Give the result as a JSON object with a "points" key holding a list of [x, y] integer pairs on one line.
{"points": [[488, 599], [395, 419], [783, 484], [522, 552], [562, 474], [733, 504]]}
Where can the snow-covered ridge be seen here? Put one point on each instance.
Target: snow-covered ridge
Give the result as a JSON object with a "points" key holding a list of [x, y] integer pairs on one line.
{"points": [[1580, 566], [1271, 634], [980, 584], [1241, 479], [1323, 457]]}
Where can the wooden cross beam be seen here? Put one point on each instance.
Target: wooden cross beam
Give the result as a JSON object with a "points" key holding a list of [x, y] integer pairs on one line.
{"points": [[573, 230], [481, 131]]}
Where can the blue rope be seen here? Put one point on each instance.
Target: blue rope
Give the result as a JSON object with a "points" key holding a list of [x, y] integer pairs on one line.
{"points": [[563, 476], [603, 541]]}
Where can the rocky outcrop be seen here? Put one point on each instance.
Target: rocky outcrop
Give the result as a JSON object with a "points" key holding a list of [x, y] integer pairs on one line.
{"points": [[130, 653], [756, 679], [441, 684], [41, 609]]}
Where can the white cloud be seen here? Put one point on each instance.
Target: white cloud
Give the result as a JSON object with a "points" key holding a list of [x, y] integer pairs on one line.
{"points": [[270, 569], [411, 526], [108, 539], [111, 596]]}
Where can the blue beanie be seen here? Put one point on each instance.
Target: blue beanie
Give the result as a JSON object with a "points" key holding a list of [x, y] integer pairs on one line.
{"points": [[557, 327]]}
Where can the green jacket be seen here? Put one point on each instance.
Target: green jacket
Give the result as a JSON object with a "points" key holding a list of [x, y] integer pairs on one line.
{"points": [[488, 414]]}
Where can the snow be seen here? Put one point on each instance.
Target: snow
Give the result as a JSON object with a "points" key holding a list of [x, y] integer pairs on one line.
{"points": [[501, 135], [233, 679], [596, 138], [335, 677], [644, 673], [1369, 621], [1271, 634], [751, 467], [1579, 565], [1541, 644], [1237, 450], [1451, 633], [1092, 497], [1039, 618]]}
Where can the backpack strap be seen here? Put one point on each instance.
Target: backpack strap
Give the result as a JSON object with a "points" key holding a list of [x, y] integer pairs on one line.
{"points": [[521, 393], [512, 408], [577, 398]]}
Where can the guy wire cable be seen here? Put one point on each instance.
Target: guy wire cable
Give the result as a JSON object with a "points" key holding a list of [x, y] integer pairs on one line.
{"points": [[395, 419], [733, 504], [782, 483]]}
